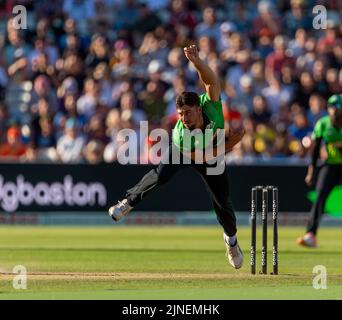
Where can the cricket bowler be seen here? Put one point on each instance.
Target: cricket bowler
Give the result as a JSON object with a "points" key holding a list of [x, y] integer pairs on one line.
{"points": [[195, 112]]}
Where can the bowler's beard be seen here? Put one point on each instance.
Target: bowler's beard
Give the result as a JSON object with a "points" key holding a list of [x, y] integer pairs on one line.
{"points": [[197, 123], [191, 127]]}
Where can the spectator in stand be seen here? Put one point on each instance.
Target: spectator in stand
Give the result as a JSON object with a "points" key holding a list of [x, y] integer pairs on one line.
{"points": [[328, 42], [148, 20], [4, 119], [241, 68], [16, 44], [127, 15], [178, 86], [305, 61], [300, 127], [276, 60], [128, 101], [264, 140], [243, 100], [101, 74], [70, 30], [13, 148], [96, 130], [181, 15], [71, 65], [319, 76], [41, 47], [152, 48], [277, 95], [336, 58], [124, 63], [261, 113], [226, 31], [103, 19], [68, 110], [258, 75], [237, 44], [87, 103], [297, 18], [93, 152], [6, 8], [45, 32], [98, 52], [209, 27], [281, 145], [175, 63], [43, 111], [18, 70], [70, 145], [306, 88], [68, 86], [267, 18], [80, 11], [297, 45], [40, 66], [206, 46], [113, 124], [152, 98], [3, 79], [317, 109], [242, 18], [264, 44], [334, 85], [43, 146], [42, 89], [115, 63]]}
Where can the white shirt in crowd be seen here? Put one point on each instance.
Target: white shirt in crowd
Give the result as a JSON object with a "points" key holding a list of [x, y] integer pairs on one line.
{"points": [[69, 149]]}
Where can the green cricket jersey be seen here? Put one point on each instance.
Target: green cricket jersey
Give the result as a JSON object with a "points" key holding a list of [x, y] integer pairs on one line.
{"points": [[324, 129], [213, 117]]}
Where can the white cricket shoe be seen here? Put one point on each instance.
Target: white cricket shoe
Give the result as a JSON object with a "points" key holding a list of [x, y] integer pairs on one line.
{"points": [[234, 254], [308, 240], [121, 209]]}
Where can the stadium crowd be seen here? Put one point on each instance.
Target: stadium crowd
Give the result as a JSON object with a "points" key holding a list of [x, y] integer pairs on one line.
{"points": [[84, 69]]}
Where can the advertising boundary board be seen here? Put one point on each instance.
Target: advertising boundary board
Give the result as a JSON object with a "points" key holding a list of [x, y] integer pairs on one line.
{"points": [[81, 187]]}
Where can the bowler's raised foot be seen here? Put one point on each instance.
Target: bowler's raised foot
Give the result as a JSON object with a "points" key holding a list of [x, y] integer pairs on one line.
{"points": [[118, 211]]}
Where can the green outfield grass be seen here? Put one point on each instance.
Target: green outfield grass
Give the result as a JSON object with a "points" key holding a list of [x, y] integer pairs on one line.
{"points": [[160, 263]]}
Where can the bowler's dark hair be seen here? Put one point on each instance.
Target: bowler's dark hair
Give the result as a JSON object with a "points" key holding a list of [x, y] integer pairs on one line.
{"points": [[187, 98]]}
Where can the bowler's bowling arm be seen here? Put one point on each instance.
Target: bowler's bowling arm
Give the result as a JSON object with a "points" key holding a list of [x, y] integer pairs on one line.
{"points": [[209, 78]]}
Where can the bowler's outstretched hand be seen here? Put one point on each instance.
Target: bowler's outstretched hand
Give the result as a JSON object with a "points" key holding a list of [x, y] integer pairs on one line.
{"points": [[191, 53]]}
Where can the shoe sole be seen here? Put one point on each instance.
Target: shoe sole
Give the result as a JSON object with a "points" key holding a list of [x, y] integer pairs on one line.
{"points": [[304, 244], [116, 219]]}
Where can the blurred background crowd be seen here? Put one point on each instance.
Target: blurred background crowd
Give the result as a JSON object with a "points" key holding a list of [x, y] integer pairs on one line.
{"points": [[84, 69]]}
